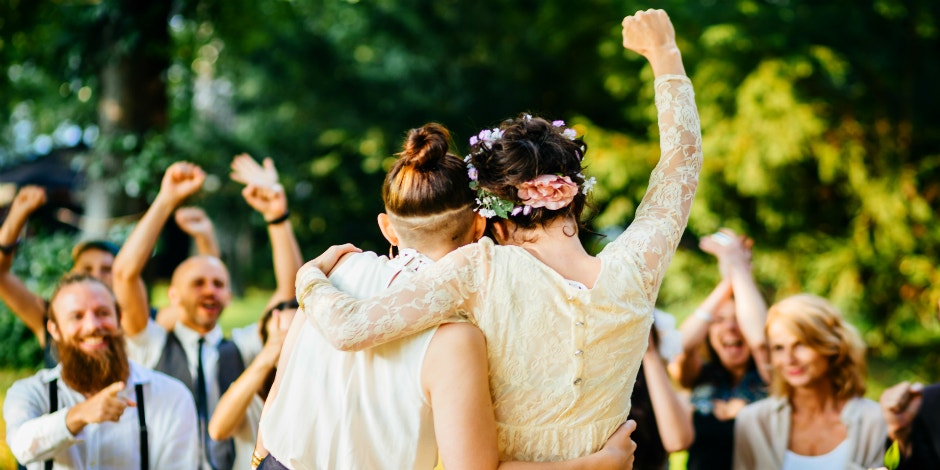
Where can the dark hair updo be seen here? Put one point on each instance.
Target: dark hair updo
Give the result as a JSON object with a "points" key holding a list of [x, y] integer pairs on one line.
{"points": [[426, 179], [530, 147]]}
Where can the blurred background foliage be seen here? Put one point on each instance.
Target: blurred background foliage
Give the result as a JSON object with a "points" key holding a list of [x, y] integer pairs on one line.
{"points": [[821, 134]]}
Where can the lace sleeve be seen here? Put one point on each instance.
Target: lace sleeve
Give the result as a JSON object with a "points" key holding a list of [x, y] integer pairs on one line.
{"points": [[443, 292], [652, 238]]}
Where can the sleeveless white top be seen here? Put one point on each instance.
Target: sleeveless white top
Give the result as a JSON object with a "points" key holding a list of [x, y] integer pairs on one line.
{"points": [[834, 459], [354, 410]]}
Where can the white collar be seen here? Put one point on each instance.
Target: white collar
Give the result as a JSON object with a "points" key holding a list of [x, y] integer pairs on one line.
{"points": [[411, 260], [188, 336]]}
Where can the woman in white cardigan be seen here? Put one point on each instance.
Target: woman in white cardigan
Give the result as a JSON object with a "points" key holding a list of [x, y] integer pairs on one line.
{"points": [[816, 417]]}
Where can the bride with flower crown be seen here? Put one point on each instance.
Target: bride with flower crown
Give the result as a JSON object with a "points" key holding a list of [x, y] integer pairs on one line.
{"points": [[565, 330]]}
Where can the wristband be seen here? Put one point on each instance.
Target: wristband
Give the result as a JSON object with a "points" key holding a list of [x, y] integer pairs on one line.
{"points": [[280, 219], [9, 249], [703, 315]]}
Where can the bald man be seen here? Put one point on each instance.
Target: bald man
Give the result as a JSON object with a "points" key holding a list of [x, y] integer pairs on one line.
{"points": [[194, 350]]}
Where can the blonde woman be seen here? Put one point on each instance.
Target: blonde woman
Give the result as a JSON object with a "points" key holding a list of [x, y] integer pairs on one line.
{"points": [[815, 417]]}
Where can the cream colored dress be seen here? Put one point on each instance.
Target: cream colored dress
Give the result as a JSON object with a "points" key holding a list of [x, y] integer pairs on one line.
{"points": [[563, 360]]}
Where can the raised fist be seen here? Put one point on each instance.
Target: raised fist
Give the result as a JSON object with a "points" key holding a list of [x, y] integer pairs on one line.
{"points": [[193, 221], [647, 32], [181, 180], [28, 199]]}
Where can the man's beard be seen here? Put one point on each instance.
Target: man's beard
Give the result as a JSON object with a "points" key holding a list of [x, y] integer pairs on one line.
{"points": [[89, 373]]}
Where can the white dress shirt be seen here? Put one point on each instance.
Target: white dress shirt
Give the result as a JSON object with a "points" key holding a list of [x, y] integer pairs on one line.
{"points": [[34, 435], [147, 346]]}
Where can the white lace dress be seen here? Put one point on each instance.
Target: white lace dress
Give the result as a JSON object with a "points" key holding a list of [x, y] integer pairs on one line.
{"points": [[563, 360]]}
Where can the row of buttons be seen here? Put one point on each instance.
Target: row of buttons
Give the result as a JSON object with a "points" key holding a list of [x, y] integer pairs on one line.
{"points": [[579, 352]]}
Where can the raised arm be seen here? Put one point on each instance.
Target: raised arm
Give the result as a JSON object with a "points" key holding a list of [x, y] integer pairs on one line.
{"points": [[198, 225], [673, 413], [229, 413], [652, 238], [181, 180], [29, 307], [265, 195], [734, 262]]}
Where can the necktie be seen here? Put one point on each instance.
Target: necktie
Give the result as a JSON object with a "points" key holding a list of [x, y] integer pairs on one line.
{"points": [[202, 402]]}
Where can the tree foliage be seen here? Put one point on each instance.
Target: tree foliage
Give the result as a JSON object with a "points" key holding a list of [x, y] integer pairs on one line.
{"points": [[820, 134]]}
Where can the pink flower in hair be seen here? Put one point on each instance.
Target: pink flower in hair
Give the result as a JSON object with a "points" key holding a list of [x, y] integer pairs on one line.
{"points": [[548, 191]]}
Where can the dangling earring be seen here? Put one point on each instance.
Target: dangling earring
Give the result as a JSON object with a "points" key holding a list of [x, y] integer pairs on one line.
{"points": [[391, 251]]}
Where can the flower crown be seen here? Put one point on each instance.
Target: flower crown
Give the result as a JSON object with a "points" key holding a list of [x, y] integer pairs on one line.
{"points": [[551, 191]]}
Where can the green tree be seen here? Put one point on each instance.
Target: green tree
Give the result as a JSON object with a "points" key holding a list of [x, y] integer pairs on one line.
{"points": [[820, 136]]}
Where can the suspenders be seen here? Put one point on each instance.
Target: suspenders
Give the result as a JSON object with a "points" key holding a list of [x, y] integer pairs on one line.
{"points": [[142, 425], [141, 421], [53, 407]]}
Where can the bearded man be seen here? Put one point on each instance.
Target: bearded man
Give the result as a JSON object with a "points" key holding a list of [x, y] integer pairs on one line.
{"points": [[96, 409]]}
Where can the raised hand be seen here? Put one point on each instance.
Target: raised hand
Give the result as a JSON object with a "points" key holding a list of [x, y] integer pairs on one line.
{"points": [[270, 202], [247, 171], [103, 406], [648, 31], [28, 199], [193, 221], [730, 249], [277, 331], [181, 180], [650, 34]]}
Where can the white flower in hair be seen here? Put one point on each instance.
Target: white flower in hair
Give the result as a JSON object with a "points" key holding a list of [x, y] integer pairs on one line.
{"points": [[588, 184], [486, 137]]}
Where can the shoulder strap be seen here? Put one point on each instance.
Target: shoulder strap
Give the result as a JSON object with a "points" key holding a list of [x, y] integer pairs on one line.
{"points": [[53, 407], [142, 423], [50, 356]]}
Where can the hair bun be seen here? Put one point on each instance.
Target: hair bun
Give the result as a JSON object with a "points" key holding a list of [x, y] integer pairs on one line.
{"points": [[426, 146]]}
